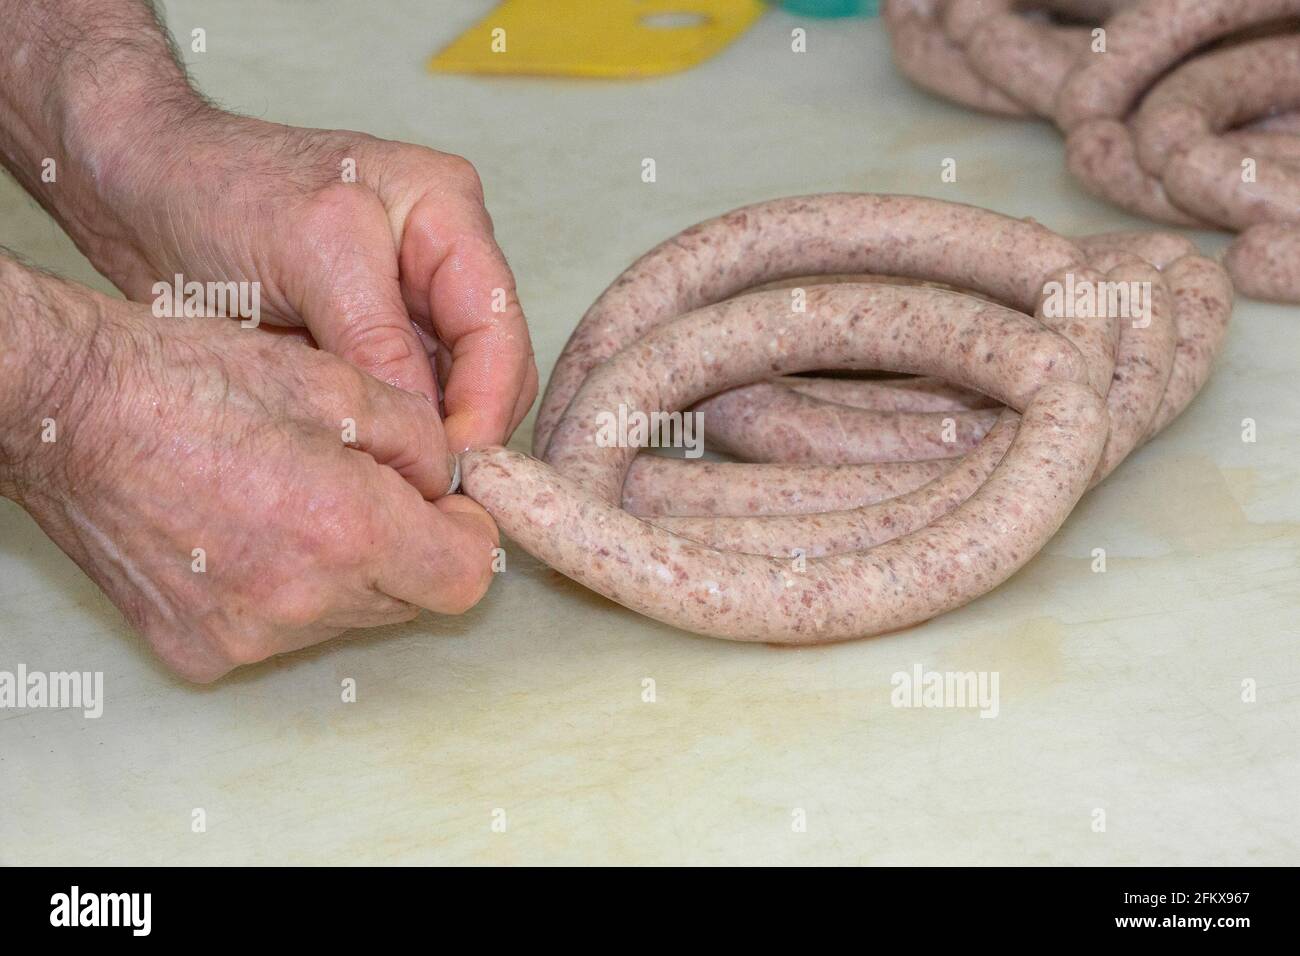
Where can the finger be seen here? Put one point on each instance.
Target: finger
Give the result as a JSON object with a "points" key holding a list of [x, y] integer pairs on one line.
{"points": [[439, 554], [403, 431], [527, 395], [349, 293], [448, 251]]}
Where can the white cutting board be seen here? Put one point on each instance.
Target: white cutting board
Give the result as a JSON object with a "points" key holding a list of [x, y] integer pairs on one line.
{"points": [[1119, 691]]}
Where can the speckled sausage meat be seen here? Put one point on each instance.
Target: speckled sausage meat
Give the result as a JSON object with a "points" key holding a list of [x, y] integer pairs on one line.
{"points": [[1283, 123], [813, 553], [1094, 332], [963, 18], [1183, 111], [660, 486], [1180, 133], [1216, 92], [852, 529], [1096, 335], [924, 54], [1101, 154], [916, 394], [672, 486], [1158, 248], [1178, 127], [1265, 262], [1201, 303], [1280, 147], [1145, 41], [1207, 179], [568, 516], [1027, 59], [1143, 364], [1003, 258], [771, 423], [996, 350], [748, 597], [987, 54], [1202, 298], [1149, 359]]}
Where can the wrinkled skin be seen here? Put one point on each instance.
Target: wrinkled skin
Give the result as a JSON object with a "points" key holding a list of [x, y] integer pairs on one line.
{"points": [[183, 434], [396, 271]]}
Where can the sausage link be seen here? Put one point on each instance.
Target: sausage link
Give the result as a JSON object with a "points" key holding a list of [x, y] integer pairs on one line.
{"points": [[998, 351], [1027, 59], [1003, 258], [1215, 92], [1265, 262], [657, 485], [815, 438], [744, 597], [765, 422], [1202, 295], [1278, 147], [1091, 329], [1178, 124], [962, 18], [924, 54], [1158, 248], [1102, 156], [916, 394], [1144, 41], [839, 532], [1143, 365], [667, 486], [879, 546], [1164, 139], [1208, 181], [1149, 357], [1276, 122]]}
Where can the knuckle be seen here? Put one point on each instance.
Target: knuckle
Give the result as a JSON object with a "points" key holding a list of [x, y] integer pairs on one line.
{"points": [[334, 389], [199, 662], [239, 644], [372, 345], [418, 454], [461, 173], [294, 610]]}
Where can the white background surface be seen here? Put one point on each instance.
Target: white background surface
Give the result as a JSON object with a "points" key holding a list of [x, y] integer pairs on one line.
{"points": [[1120, 691]]}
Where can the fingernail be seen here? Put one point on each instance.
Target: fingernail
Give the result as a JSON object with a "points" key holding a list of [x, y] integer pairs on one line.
{"points": [[453, 463]]}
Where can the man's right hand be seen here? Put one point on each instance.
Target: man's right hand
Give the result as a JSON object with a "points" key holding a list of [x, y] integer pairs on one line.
{"points": [[201, 473]]}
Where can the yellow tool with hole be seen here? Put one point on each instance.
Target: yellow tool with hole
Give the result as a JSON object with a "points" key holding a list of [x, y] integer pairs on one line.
{"points": [[597, 38]]}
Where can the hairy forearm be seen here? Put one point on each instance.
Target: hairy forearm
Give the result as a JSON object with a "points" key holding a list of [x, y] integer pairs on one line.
{"points": [[88, 89], [49, 341]]}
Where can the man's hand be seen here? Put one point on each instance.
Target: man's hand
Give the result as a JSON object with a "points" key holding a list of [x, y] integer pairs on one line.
{"points": [[383, 251], [235, 492]]}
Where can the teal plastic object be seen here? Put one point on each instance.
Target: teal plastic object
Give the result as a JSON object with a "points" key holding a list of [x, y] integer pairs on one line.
{"points": [[833, 8]]}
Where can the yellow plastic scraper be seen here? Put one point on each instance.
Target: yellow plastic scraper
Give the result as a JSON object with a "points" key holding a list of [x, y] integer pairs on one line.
{"points": [[597, 38]]}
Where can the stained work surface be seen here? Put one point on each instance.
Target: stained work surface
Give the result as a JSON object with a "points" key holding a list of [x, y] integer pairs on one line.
{"points": [[1119, 692]]}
